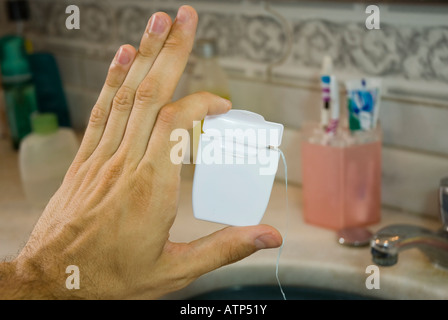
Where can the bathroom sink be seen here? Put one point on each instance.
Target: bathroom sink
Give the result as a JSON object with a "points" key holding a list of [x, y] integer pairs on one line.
{"points": [[272, 292]]}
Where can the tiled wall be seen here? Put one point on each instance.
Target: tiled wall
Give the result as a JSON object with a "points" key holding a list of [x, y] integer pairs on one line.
{"points": [[272, 52]]}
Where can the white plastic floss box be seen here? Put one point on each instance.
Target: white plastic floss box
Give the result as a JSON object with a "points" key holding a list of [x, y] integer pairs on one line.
{"points": [[236, 164]]}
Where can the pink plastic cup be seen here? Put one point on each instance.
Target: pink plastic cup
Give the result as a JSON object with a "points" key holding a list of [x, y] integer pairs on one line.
{"points": [[341, 185]]}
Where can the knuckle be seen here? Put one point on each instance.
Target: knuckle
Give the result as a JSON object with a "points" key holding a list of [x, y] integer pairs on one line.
{"points": [[113, 172], [74, 168], [148, 50], [168, 115], [204, 99], [227, 255], [231, 252], [114, 169], [124, 99], [176, 44], [149, 92], [113, 79], [98, 116], [146, 168]]}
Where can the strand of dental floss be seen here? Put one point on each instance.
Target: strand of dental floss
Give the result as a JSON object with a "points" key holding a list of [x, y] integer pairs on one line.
{"points": [[277, 264]]}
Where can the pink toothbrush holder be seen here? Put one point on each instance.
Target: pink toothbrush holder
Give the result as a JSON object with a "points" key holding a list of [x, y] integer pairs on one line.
{"points": [[342, 184]]}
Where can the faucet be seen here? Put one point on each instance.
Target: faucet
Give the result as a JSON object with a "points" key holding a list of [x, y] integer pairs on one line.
{"points": [[389, 241]]}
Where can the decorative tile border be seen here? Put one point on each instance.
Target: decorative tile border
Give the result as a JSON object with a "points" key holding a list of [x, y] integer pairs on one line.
{"points": [[412, 53], [135, 20]]}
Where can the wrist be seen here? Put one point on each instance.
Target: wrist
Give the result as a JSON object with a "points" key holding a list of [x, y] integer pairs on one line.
{"points": [[29, 279], [20, 280]]}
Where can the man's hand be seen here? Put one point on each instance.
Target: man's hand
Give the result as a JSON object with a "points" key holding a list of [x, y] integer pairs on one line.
{"points": [[112, 215]]}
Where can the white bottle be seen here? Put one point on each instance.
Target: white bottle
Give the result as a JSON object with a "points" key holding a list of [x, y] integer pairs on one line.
{"points": [[44, 157]]}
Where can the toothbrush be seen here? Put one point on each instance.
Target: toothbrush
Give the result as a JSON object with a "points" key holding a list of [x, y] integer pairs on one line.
{"points": [[327, 69], [334, 98]]}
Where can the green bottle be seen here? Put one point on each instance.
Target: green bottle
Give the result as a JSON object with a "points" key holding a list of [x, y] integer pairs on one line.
{"points": [[19, 91]]}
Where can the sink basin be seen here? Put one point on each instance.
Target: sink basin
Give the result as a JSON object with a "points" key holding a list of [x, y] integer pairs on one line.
{"points": [[272, 292]]}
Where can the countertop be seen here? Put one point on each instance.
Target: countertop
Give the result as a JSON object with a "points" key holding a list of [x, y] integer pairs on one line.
{"points": [[311, 255]]}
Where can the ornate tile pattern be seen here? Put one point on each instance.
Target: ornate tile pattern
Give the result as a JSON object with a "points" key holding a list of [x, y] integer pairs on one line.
{"points": [[406, 52], [131, 20], [410, 53]]}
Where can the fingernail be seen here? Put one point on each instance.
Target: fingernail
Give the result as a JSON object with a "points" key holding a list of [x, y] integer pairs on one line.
{"points": [[157, 24], [183, 14], [266, 241], [123, 57]]}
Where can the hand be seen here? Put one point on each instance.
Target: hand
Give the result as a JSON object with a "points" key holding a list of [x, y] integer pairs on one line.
{"points": [[112, 215]]}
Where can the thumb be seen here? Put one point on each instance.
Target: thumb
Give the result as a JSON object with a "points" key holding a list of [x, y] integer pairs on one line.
{"points": [[229, 245]]}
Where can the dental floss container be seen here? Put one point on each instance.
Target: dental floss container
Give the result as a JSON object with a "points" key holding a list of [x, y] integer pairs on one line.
{"points": [[235, 168]]}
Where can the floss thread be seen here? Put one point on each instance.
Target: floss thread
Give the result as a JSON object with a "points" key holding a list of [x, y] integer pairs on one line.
{"points": [[287, 223]]}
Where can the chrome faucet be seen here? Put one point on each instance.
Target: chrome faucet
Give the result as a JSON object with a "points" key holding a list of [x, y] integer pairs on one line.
{"points": [[389, 241]]}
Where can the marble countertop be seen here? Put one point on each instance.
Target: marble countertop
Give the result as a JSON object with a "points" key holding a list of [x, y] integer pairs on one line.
{"points": [[311, 255]]}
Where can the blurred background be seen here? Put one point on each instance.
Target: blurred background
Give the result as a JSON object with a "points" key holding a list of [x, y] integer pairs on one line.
{"points": [[271, 53]]}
